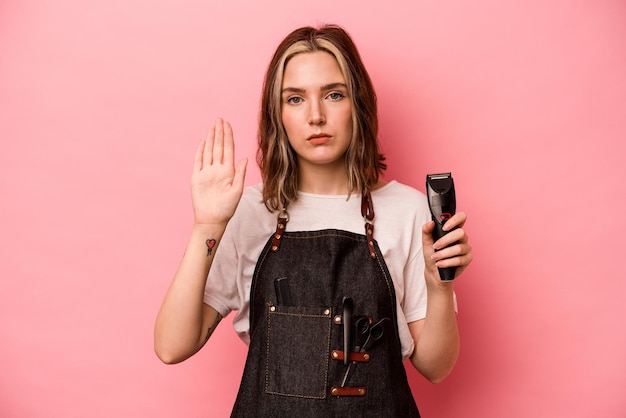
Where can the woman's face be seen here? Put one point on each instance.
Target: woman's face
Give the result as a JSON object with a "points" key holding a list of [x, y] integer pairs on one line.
{"points": [[316, 109]]}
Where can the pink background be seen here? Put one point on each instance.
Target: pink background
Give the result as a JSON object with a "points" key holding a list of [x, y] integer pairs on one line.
{"points": [[102, 104]]}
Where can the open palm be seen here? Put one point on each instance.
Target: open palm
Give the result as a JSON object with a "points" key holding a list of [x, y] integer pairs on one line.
{"points": [[216, 182]]}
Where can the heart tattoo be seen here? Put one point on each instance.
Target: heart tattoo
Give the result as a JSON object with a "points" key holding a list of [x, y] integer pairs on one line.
{"points": [[210, 243]]}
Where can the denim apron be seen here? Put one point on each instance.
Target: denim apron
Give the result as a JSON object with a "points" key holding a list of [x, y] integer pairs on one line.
{"points": [[314, 297]]}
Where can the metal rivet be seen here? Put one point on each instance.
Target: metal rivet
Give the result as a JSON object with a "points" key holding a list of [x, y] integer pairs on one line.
{"points": [[334, 391], [277, 236], [335, 354], [281, 226], [272, 308], [373, 254], [274, 248], [337, 319], [366, 357], [361, 391], [327, 311]]}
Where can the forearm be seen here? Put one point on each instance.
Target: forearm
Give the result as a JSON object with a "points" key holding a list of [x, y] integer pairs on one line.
{"points": [[180, 328], [438, 344]]}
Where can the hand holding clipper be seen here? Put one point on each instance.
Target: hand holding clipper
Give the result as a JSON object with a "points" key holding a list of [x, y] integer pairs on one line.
{"points": [[442, 203]]}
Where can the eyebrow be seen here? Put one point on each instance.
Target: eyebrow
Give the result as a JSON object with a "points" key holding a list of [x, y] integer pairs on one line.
{"points": [[325, 87]]}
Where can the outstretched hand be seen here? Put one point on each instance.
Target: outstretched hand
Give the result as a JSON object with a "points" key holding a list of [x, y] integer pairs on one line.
{"points": [[458, 255], [216, 182]]}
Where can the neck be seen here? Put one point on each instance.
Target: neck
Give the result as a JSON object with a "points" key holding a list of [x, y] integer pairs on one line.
{"points": [[323, 180]]}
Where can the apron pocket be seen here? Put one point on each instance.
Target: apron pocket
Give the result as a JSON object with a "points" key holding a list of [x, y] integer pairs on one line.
{"points": [[298, 343]]}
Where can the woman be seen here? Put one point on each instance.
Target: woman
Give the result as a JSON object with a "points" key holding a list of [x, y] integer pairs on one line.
{"points": [[330, 309]]}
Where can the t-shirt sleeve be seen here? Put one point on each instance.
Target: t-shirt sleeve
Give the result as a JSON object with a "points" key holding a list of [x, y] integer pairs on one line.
{"points": [[414, 301], [414, 306]]}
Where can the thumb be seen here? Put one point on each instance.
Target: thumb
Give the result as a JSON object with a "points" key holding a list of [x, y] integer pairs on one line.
{"points": [[427, 235]]}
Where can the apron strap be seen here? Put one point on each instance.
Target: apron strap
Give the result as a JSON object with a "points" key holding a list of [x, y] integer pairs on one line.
{"points": [[281, 224], [367, 210]]}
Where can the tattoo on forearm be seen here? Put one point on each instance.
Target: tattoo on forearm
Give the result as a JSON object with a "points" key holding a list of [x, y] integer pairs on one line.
{"points": [[210, 243], [218, 318]]}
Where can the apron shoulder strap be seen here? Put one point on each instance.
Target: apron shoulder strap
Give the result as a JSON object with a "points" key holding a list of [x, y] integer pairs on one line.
{"points": [[367, 210]]}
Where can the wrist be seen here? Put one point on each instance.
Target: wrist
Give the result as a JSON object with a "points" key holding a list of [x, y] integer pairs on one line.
{"points": [[435, 284], [206, 237], [209, 227], [440, 296], [207, 232]]}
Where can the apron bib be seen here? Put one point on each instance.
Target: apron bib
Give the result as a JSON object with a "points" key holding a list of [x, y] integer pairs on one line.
{"points": [[316, 295]]}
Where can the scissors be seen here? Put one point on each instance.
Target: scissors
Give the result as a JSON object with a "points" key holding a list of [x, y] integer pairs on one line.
{"points": [[367, 335]]}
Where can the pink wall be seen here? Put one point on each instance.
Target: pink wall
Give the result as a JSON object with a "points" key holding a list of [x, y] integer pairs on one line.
{"points": [[103, 103]]}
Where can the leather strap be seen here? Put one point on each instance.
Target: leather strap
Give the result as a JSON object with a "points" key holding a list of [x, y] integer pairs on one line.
{"points": [[352, 356], [367, 210], [283, 218], [348, 391]]}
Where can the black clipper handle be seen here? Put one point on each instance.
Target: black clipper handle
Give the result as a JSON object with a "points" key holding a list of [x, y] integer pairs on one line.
{"points": [[442, 203]]}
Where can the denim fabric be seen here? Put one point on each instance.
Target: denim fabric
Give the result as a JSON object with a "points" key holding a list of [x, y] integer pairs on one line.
{"points": [[289, 370]]}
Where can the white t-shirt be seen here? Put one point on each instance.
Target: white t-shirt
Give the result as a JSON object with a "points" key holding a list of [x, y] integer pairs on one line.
{"points": [[400, 211]]}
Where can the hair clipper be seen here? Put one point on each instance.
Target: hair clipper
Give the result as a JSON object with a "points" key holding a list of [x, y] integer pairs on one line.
{"points": [[442, 203]]}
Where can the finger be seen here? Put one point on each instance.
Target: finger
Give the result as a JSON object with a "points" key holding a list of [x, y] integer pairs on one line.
{"points": [[457, 220], [197, 161], [240, 174], [427, 235], [460, 261], [452, 237], [448, 262], [229, 144], [208, 146], [218, 144], [451, 251]]}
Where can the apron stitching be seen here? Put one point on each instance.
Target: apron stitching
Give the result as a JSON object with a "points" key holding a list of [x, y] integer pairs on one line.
{"points": [[391, 291], [327, 314]]}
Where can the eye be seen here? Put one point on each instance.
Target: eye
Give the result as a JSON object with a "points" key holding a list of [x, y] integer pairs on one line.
{"points": [[294, 100], [336, 95]]}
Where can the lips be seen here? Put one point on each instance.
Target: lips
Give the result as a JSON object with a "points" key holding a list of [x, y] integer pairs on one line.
{"points": [[319, 139]]}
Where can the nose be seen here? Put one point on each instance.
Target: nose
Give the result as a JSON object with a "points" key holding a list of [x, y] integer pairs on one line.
{"points": [[316, 115]]}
